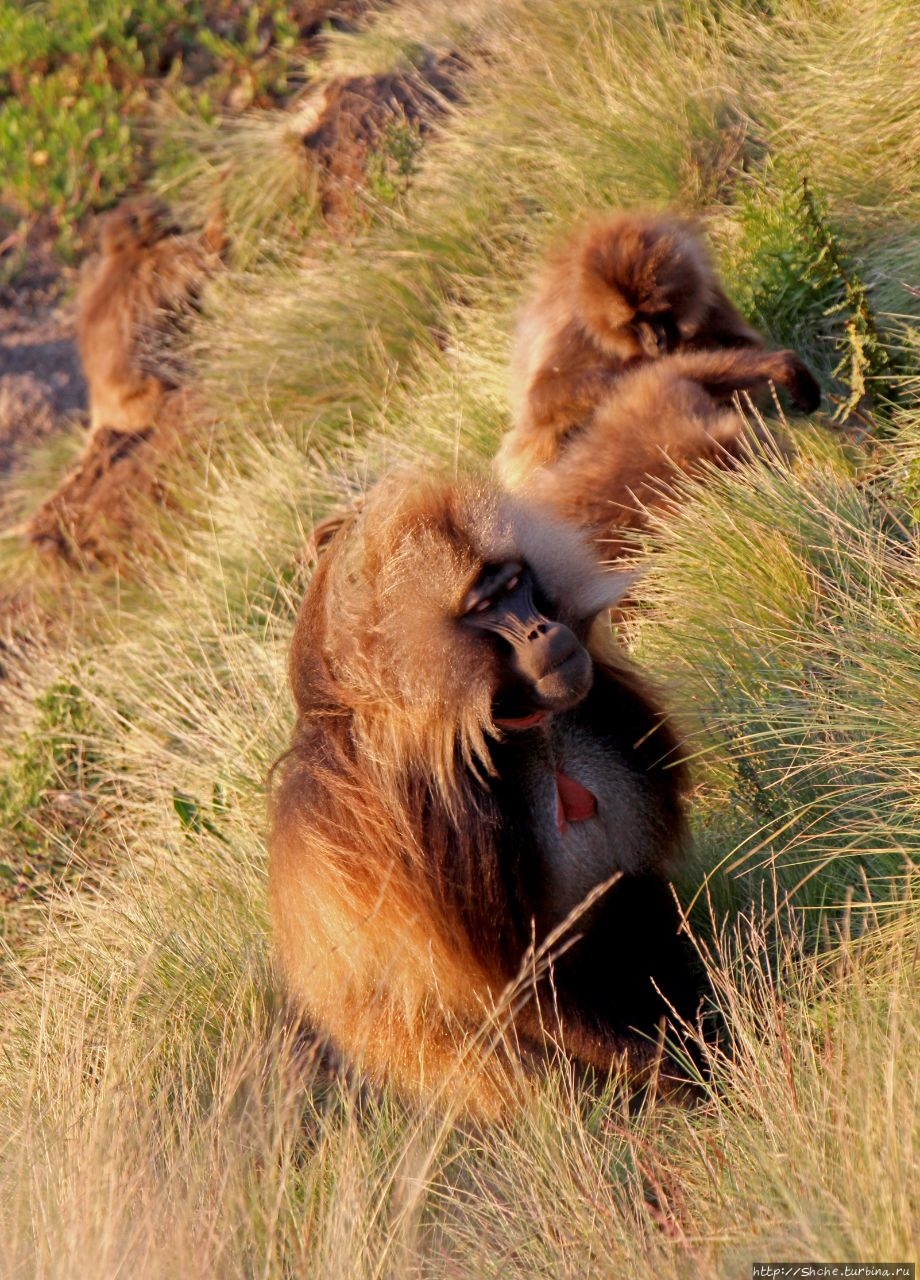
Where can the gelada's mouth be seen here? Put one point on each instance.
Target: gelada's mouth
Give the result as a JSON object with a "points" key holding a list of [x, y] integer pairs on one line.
{"points": [[566, 685], [560, 689]]}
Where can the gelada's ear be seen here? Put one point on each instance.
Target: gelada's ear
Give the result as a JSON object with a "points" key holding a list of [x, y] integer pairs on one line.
{"points": [[607, 591], [324, 532], [619, 584]]}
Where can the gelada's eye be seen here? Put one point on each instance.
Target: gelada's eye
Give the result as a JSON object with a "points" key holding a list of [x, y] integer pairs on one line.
{"points": [[483, 606], [513, 583]]}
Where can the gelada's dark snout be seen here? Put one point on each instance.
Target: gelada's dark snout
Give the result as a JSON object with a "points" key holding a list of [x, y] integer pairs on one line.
{"points": [[658, 336], [555, 664]]}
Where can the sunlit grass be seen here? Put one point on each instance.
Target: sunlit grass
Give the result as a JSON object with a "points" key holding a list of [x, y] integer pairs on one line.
{"points": [[157, 1117]]}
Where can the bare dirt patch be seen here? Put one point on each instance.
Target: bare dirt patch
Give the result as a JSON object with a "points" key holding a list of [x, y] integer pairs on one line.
{"points": [[101, 511], [359, 117], [41, 381]]}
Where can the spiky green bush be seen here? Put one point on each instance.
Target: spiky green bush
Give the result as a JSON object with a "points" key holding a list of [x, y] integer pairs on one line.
{"points": [[77, 82]]}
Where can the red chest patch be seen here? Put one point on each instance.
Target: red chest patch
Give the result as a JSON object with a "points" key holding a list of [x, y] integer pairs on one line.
{"points": [[574, 803]]}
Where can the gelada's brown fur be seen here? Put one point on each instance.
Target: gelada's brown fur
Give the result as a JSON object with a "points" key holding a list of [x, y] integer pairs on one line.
{"points": [[665, 417], [131, 297], [615, 286], [391, 898]]}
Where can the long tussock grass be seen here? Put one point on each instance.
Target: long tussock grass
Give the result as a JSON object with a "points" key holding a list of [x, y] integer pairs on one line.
{"points": [[157, 1115]]}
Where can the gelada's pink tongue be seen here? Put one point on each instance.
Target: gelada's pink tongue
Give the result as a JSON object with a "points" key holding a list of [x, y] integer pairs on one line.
{"points": [[574, 802]]}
